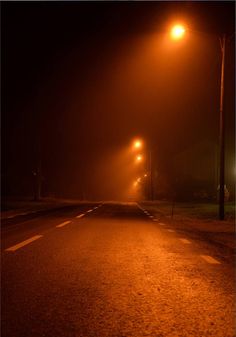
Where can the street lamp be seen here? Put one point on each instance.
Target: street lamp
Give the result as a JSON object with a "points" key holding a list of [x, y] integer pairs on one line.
{"points": [[222, 132], [137, 144], [139, 158], [177, 32]]}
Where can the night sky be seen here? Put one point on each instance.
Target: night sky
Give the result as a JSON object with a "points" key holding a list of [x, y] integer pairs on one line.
{"points": [[80, 80]]}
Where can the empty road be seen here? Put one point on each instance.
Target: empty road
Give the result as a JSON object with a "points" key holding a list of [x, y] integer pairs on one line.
{"points": [[112, 270]]}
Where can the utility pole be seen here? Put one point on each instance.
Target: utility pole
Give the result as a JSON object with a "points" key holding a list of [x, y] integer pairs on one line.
{"points": [[151, 174], [222, 133], [37, 181], [37, 173]]}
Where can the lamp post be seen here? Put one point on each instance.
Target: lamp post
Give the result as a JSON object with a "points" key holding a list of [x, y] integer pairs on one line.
{"points": [[151, 175], [177, 32], [222, 132]]}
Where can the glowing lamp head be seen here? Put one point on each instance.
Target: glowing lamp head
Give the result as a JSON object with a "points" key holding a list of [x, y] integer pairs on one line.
{"points": [[137, 144], [139, 157], [177, 32]]}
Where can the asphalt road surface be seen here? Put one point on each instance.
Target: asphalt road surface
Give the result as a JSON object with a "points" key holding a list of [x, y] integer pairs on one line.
{"points": [[112, 270]]}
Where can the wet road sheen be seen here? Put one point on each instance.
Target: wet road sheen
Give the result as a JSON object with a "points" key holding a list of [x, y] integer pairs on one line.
{"points": [[111, 270]]}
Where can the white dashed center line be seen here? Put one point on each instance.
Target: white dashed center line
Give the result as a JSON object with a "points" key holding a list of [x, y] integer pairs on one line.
{"points": [[80, 216], [162, 224], [90, 210], [184, 240], [23, 243], [210, 259], [171, 230], [63, 224]]}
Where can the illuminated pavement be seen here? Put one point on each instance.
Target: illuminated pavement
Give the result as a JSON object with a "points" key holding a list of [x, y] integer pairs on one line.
{"points": [[112, 270]]}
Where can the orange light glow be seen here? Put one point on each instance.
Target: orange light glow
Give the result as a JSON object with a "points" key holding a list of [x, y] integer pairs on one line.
{"points": [[137, 144], [145, 175], [139, 180], [139, 158], [177, 32]]}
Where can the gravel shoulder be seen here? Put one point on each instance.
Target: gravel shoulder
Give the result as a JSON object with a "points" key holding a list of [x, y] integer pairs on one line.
{"points": [[197, 218]]}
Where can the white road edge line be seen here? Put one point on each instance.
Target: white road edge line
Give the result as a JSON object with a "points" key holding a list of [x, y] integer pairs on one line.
{"points": [[184, 240], [140, 207], [63, 224], [20, 214], [146, 212], [80, 216], [210, 259], [23, 243]]}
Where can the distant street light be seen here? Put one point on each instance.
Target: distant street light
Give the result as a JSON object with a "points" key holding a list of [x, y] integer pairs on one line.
{"points": [[138, 144], [139, 158]]}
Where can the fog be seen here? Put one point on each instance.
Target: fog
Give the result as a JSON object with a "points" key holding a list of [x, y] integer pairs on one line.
{"points": [[99, 92]]}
